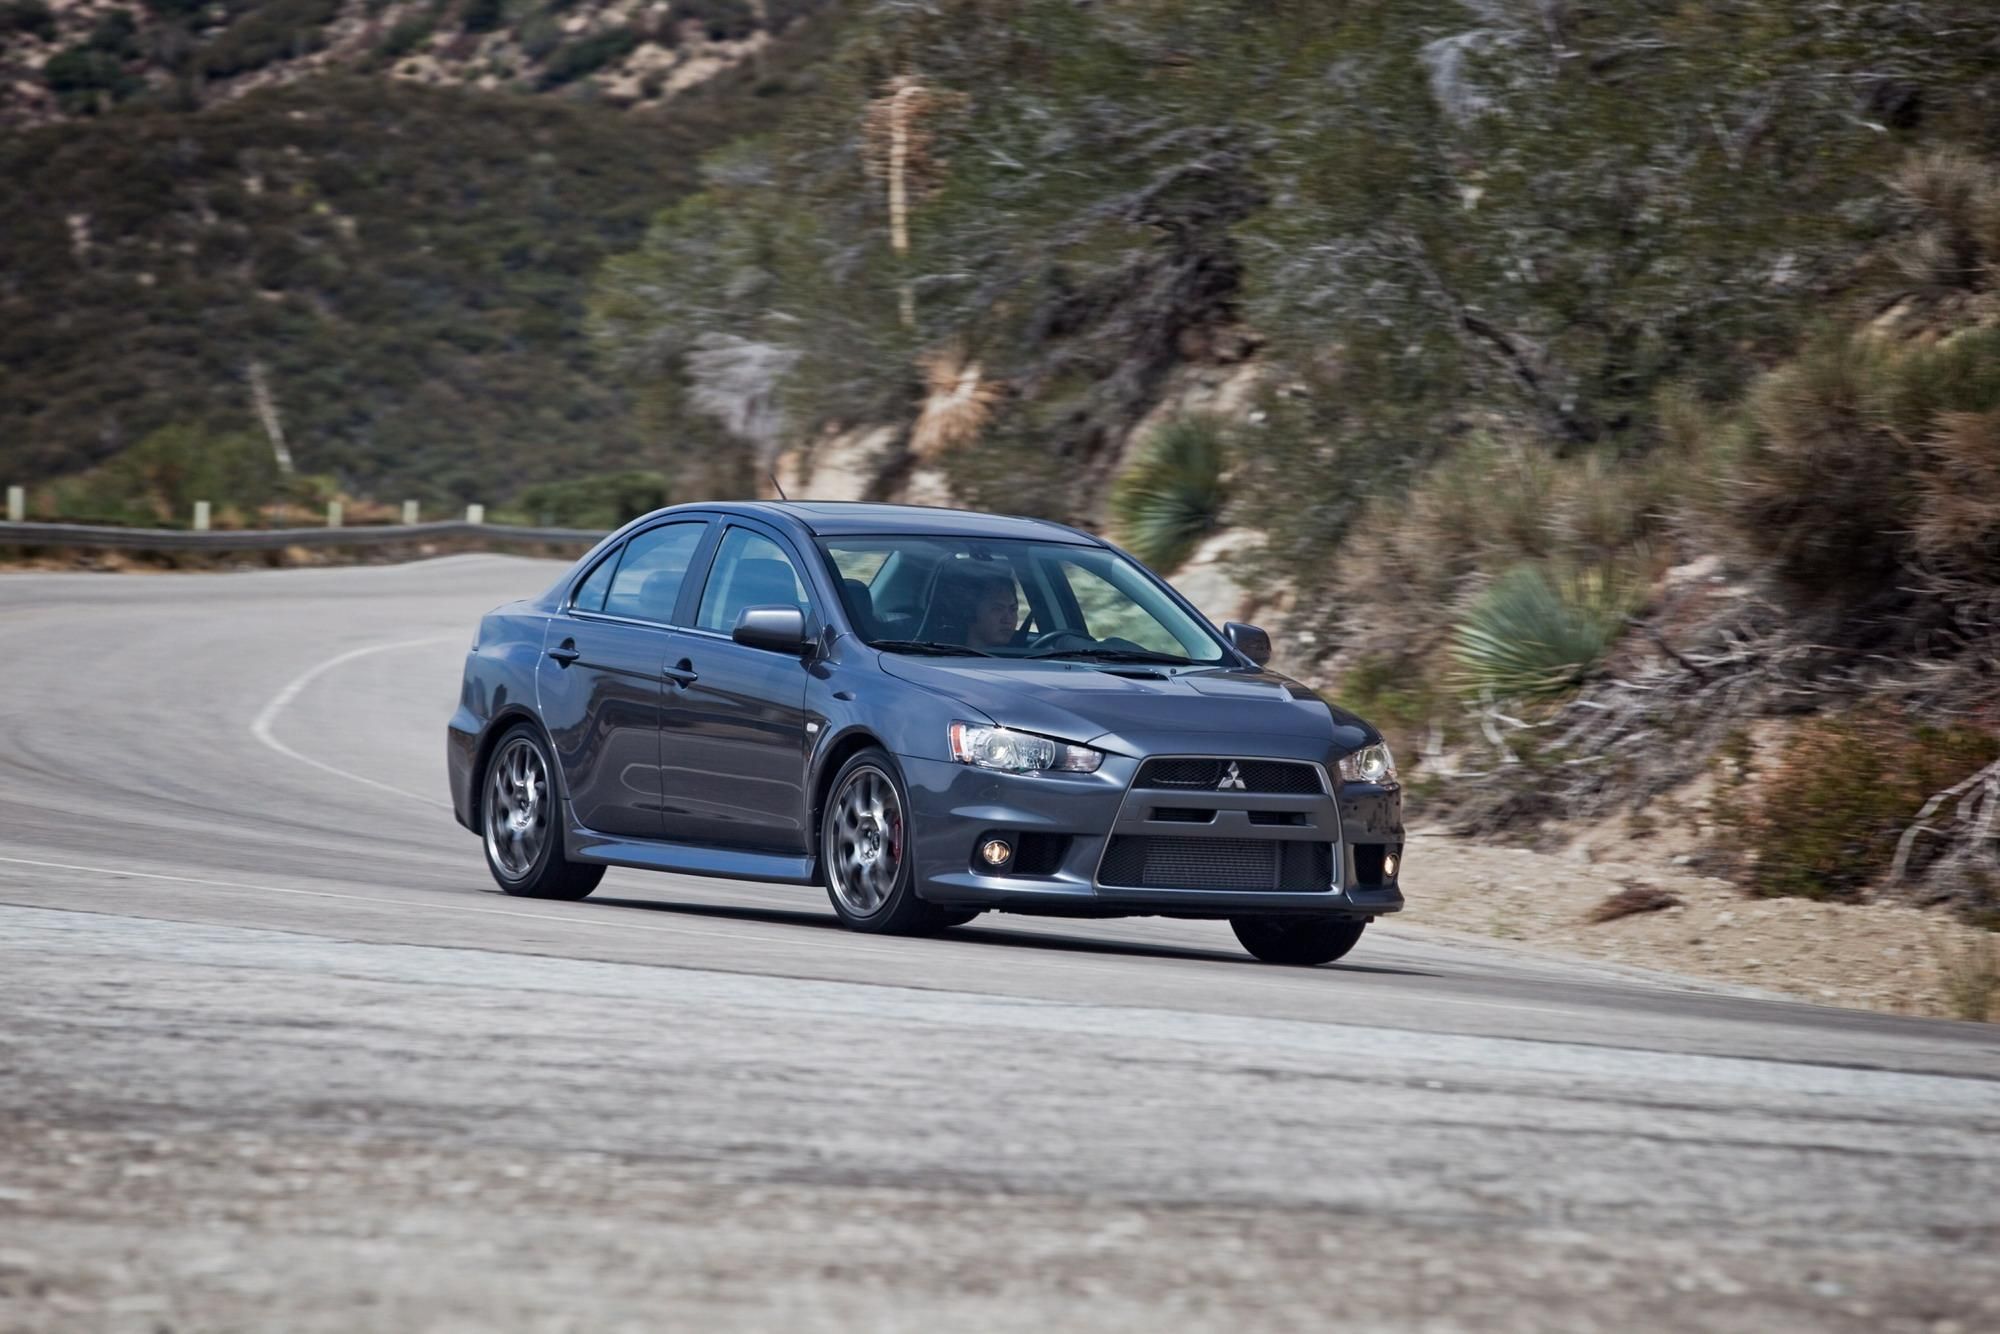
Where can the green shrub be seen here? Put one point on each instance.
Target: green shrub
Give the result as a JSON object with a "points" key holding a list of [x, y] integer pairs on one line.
{"points": [[159, 479], [177, 10], [116, 33], [405, 37], [276, 30], [604, 501], [573, 60], [539, 34], [93, 73], [1540, 633], [1172, 495], [33, 17], [1825, 821], [721, 20], [483, 15]]}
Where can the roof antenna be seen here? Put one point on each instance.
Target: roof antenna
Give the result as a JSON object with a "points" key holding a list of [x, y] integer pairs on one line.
{"points": [[779, 489]]}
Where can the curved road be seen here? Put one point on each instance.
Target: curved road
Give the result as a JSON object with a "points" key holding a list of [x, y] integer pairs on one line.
{"points": [[275, 1055]]}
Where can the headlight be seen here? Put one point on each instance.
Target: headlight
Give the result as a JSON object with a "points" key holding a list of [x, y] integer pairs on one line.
{"points": [[1370, 764], [1019, 752]]}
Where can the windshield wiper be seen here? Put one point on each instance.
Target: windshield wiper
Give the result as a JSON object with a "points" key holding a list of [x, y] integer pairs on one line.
{"points": [[930, 646], [1116, 655]]}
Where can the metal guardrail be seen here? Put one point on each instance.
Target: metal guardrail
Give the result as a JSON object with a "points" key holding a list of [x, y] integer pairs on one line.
{"points": [[96, 537]]}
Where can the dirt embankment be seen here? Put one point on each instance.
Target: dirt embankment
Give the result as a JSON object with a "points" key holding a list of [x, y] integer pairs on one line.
{"points": [[1874, 956]]}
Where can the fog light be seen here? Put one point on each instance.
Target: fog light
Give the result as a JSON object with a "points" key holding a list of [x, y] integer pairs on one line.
{"points": [[1389, 867], [996, 851]]}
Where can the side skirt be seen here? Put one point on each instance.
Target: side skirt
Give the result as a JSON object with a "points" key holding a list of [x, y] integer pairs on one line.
{"points": [[727, 863]]}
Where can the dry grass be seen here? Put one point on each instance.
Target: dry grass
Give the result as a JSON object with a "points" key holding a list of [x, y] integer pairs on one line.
{"points": [[1957, 242], [1957, 528], [958, 403]]}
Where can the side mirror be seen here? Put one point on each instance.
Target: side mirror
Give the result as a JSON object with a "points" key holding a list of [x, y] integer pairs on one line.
{"points": [[1248, 640], [776, 629]]}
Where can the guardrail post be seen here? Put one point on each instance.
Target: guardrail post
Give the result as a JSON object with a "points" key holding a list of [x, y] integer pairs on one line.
{"points": [[201, 516], [475, 514], [17, 504], [333, 514], [409, 513]]}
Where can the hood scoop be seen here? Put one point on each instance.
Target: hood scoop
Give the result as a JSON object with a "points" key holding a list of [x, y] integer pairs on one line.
{"points": [[1135, 673]]}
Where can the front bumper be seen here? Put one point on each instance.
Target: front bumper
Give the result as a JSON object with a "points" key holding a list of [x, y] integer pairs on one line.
{"points": [[956, 806]]}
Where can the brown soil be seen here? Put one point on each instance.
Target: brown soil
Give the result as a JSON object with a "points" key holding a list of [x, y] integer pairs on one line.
{"points": [[1876, 956]]}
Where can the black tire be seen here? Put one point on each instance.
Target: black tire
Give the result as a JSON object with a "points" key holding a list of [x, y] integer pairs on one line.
{"points": [[864, 847], [521, 825], [1305, 941]]}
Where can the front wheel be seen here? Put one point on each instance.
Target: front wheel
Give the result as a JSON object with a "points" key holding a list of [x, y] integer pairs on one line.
{"points": [[1298, 940], [865, 847], [521, 821]]}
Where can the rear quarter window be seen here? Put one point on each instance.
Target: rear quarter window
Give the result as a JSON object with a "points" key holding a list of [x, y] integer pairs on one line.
{"points": [[590, 593]]}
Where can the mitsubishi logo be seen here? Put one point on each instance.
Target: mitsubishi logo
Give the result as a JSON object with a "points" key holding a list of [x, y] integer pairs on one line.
{"points": [[1232, 780]]}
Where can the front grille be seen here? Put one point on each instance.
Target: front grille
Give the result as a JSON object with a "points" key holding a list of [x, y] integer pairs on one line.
{"points": [[1139, 862], [1285, 778]]}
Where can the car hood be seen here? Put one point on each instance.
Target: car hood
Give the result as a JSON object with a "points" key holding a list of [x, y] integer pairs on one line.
{"points": [[1133, 709]]}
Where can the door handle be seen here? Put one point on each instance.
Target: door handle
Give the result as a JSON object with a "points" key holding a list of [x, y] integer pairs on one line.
{"points": [[681, 673], [565, 653]]}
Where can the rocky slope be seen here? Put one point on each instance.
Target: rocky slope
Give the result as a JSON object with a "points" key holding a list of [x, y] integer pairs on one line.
{"points": [[61, 59]]}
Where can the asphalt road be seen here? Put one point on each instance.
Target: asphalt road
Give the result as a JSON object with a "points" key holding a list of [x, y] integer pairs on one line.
{"points": [[275, 1055]]}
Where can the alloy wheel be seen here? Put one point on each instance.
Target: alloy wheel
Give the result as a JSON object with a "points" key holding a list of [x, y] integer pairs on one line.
{"points": [[517, 808], [865, 838]]}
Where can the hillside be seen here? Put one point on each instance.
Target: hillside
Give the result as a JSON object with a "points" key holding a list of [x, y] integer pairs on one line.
{"points": [[63, 59], [1606, 399], [406, 264]]}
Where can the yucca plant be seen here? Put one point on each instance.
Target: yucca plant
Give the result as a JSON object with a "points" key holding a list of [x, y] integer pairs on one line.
{"points": [[1536, 633], [1172, 495]]}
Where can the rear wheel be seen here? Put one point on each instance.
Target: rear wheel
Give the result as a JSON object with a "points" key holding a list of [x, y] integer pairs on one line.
{"points": [[865, 847], [1298, 940], [522, 825]]}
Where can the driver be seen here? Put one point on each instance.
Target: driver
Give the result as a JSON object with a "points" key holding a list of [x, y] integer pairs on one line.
{"points": [[976, 608], [994, 612]]}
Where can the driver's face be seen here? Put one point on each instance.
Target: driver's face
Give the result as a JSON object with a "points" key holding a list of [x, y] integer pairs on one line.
{"points": [[994, 625]]}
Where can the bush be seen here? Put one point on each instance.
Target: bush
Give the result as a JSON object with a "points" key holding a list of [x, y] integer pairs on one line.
{"points": [[1827, 818], [405, 37], [116, 33], [33, 17], [721, 20], [1821, 486], [604, 501], [573, 60], [1535, 633], [483, 15], [160, 478], [1172, 495], [1957, 241], [276, 30], [1957, 528], [1855, 447]]}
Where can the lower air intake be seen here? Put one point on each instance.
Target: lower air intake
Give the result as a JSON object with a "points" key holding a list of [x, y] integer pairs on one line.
{"points": [[1139, 862]]}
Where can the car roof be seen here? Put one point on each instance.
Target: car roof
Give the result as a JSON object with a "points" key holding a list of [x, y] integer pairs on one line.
{"points": [[848, 518]]}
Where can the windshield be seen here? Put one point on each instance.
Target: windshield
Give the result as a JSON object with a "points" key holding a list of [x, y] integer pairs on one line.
{"points": [[1005, 598]]}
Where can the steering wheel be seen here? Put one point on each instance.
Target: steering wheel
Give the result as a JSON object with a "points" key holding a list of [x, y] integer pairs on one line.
{"points": [[1050, 637]]}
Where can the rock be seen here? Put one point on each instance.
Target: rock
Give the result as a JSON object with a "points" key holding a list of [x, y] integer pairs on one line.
{"points": [[1208, 579]]}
